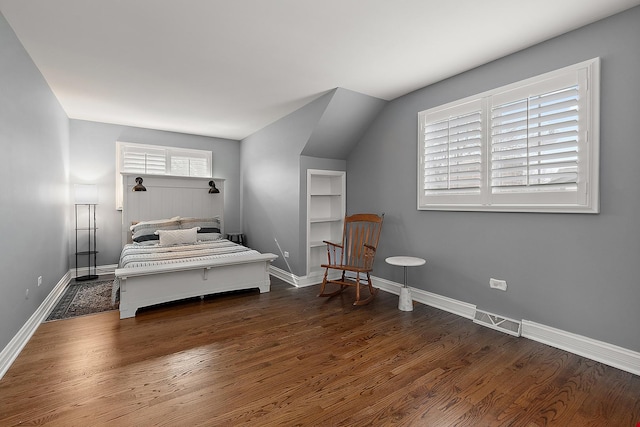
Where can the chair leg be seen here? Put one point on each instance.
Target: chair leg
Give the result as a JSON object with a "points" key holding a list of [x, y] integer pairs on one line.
{"points": [[324, 283], [373, 291]]}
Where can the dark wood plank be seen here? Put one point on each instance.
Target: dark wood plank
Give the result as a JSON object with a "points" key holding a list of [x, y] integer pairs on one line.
{"points": [[290, 358]]}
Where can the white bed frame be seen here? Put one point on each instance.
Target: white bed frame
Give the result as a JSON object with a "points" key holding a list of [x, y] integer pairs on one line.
{"points": [[167, 197]]}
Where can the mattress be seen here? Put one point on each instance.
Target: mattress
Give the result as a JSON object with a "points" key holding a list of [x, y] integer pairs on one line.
{"points": [[136, 255]]}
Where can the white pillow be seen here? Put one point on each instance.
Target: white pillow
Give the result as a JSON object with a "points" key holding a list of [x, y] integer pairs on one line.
{"points": [[178, 237], [154, 222]]}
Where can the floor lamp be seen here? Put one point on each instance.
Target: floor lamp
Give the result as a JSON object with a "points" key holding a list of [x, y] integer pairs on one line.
{"points": [[87, 195]]}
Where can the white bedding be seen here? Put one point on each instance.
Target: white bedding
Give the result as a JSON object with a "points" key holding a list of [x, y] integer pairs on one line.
{"points": [[136, 255], [142, 256]]}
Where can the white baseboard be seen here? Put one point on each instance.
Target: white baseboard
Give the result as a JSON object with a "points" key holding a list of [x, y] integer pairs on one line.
{"points": [[284, 275], [17, 343], [450, 305], [609, 354], [298, 281]]}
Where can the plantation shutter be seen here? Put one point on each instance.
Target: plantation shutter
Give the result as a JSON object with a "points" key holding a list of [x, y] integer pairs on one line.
{"points": [[535, 142], [530, 146], [185, 163], [452, 151], [199, 167], [159, 160], [143, 160]]}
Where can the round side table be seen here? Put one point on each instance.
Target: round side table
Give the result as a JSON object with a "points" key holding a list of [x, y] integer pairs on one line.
{"points": [[405, 303]]}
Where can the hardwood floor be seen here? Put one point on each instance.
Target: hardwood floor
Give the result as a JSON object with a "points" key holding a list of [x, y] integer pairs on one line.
{"points": [[289, 358]]}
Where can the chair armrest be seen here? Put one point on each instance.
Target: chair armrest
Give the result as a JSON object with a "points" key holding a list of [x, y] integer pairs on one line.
{"points": [[334, 253], [332, 244]]}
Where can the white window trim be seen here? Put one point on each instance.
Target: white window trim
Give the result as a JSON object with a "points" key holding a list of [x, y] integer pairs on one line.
{"points": [[169, 152], [587, 198]]}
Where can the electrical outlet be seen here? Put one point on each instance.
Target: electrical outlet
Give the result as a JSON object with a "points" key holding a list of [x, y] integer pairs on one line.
{"points": [[498, 284], [286, 254], [39, 280]]}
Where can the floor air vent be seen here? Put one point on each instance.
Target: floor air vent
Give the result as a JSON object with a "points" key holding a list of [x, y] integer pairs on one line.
{"points": [[499, 323]]}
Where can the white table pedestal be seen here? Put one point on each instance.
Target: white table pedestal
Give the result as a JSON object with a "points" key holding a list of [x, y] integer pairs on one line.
{"points": [[405, 303]]}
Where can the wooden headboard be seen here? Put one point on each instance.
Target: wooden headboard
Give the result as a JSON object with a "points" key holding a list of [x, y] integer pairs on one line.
{"points": [[169, 196]]}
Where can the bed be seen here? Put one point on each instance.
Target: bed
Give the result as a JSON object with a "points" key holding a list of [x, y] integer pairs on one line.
{"points": [[173, 245]]}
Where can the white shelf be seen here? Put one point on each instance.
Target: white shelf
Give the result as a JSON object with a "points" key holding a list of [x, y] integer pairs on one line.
{"points": [[325, 194], [326, 207], [329, 219]]}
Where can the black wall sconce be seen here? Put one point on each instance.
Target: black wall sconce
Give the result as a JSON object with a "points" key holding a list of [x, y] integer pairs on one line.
{"points": [[139, 186], [213, 189]]}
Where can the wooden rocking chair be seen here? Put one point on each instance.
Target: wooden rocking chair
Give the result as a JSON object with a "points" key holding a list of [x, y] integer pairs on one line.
{"points": [[355, 255]]}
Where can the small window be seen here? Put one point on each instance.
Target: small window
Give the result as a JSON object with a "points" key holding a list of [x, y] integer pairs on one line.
{"points": [[158, 160], [531, 146]]}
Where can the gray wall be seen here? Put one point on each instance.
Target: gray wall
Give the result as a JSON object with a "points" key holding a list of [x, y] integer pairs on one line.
{"points": [[93, 160], [576, 272], [274, 169], [347, 116], [270, 160], [34, 135]]}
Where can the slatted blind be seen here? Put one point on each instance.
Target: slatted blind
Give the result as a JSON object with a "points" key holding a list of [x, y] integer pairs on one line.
{"points": [[143, 160], [453, 152], [189, 166], [156, 160], [147, 159], [530, 146], [534, 143]]}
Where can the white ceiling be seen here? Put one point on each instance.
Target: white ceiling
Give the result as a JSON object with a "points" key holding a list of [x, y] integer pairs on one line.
{"points": [[227, 68]]}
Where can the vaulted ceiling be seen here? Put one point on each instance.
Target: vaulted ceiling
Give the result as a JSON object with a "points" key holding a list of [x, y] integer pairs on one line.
{"points": [[227, 68]]}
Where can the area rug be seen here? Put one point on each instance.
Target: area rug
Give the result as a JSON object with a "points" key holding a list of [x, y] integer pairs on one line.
{"points": [[84, 298]]}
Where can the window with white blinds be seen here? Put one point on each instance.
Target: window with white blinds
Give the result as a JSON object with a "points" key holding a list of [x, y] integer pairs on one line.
{"points": [[159, 160], [530, 146], [453, 151], [143, 159]]}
